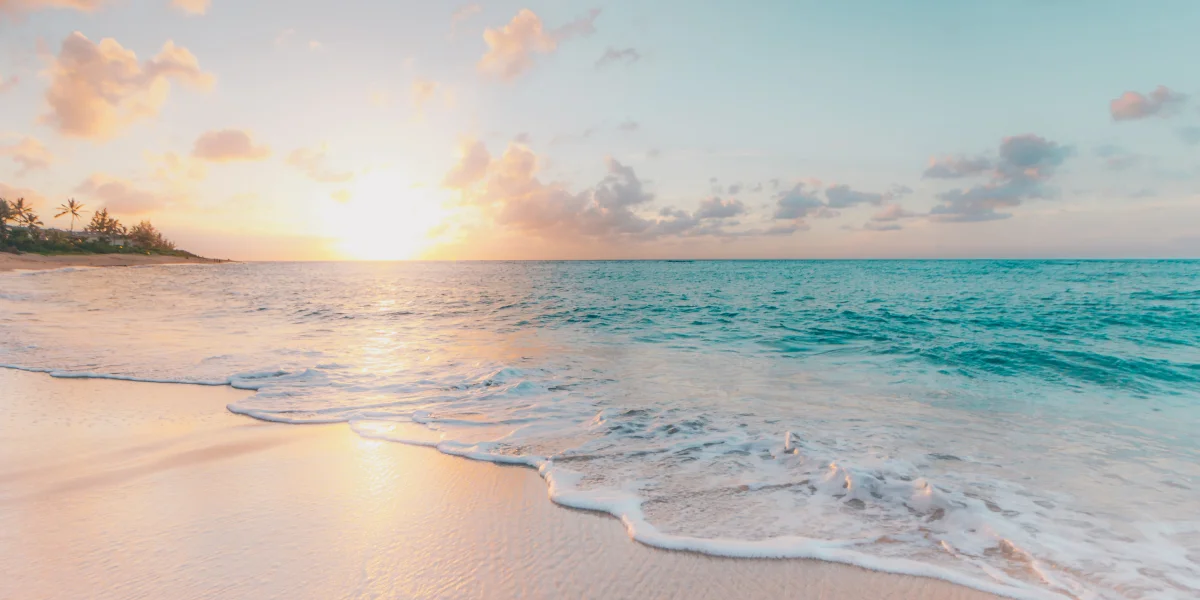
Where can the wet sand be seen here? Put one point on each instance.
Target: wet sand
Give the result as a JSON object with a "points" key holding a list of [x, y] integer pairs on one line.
{"points": [[112, 489], [34, 262]]}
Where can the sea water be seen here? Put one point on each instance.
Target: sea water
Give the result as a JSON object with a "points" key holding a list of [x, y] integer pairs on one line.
{"points": [[1023, 427]]}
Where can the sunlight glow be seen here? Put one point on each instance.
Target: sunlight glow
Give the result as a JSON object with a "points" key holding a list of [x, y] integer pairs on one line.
{"points": [[386, 218]]}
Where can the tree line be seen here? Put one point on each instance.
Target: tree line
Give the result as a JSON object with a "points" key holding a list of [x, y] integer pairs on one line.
{"points": [[22, 230]]}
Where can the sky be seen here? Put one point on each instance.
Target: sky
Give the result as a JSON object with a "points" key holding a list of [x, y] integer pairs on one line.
{"points": [[558, 129]]}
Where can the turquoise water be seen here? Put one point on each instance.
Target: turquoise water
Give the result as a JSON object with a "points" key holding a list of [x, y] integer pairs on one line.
{"points": [[1027, 427]]}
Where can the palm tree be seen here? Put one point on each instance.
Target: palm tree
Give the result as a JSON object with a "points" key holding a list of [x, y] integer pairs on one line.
{"points": [[70, 208], [6, 214], [20, 208], [106, 226], [31, 223]]}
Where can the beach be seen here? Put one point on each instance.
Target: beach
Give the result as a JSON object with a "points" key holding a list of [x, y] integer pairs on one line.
{"points": [[115, 489], [38, 262]]}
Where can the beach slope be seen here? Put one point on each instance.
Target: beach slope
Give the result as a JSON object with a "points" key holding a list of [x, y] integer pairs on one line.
{"points": [[37, 262], [112, 489]]}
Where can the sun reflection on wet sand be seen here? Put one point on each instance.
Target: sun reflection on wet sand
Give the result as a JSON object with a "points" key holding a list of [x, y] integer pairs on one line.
{"points": [[104, 498]]}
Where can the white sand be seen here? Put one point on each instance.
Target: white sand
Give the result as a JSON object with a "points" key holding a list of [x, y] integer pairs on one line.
{"points": [[124, 490]]}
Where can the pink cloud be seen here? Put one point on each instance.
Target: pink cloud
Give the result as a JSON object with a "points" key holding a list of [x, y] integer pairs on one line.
{"points": [[228, 145], [314, 162], [423, 90], [892, 212], [121, 196], [30, 153], [511, 48], [1133, 105], [465, 12], [21, 7], [172, 168], [471, 167], [954, 167], [98, 90], [12, 194], [192, 7]]}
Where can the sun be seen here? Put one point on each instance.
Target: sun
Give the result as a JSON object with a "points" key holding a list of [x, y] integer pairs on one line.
{"points": [[385, 217]]}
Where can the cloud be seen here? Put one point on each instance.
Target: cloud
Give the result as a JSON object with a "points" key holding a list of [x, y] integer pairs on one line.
{"points": [[887, 219], [120, 196], [515, 198], [423, 90], [1030, 156], [626, 56], [796, 203], [8, 83], [841, 196], [893, 212], [628, 126], [192, 7], [284, 36], [97, 90], [1131, 106], [511, 48], [30, 153], [314, 163], [1026, 162], [11, 193], [955, 167], [1189, 135], [1117, 158], [471, 167], [715, 208], [379, 99], [465, 12], [172, 168], [228, 145], [21, 7], [510, 196], [571, 138]]}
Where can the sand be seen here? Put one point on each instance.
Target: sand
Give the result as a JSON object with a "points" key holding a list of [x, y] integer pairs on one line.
{"points": [[35, 262], [112, 489]]}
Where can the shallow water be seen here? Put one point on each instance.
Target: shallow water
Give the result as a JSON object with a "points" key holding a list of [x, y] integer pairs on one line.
{"points": [[1019, 426]]}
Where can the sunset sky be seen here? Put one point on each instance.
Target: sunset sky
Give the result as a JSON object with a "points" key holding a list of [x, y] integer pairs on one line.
{"points": [[372, 129]]}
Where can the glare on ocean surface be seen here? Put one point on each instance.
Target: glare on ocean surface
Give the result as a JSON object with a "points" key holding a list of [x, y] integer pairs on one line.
{"points": [[386, 218]]}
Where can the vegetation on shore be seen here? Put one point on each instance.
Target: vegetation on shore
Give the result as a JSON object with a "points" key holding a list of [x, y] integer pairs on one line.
{"points": [[22, 231]]}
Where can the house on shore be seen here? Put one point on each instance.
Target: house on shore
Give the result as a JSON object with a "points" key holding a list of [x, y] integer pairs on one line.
{"points": [[90, 236], [84, 236]]}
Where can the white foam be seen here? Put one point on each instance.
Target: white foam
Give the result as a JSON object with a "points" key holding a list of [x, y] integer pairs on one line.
{"points": [[563, 489]]}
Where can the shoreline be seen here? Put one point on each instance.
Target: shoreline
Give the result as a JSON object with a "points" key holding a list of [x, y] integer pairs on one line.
{"points": [[43, 262], [482, 505]]}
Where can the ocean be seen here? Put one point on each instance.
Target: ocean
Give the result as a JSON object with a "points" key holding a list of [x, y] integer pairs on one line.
{"points": [[1023, 427]]}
